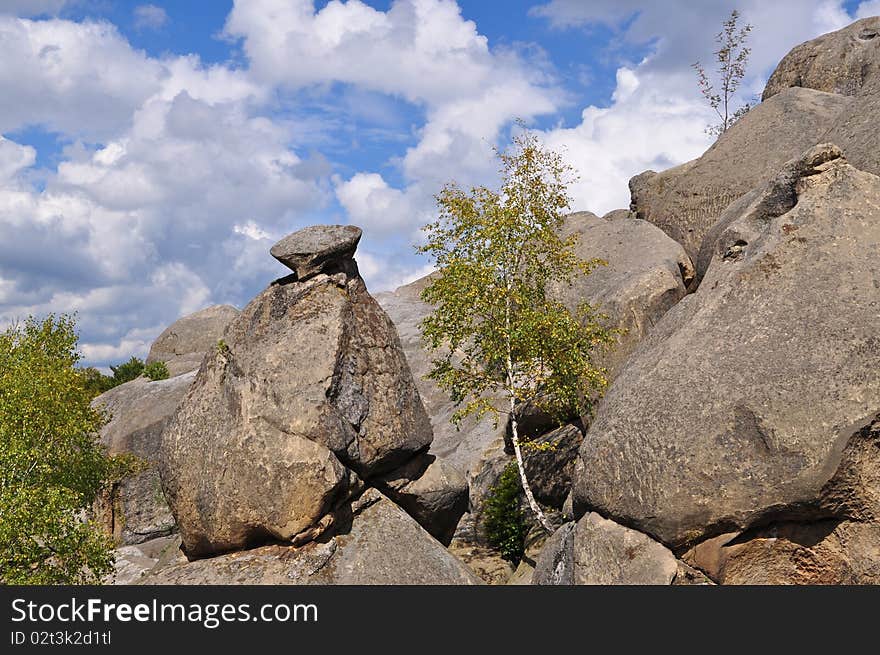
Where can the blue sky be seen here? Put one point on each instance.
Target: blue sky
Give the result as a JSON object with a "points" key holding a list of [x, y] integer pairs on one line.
{"points": [[151, 153]]}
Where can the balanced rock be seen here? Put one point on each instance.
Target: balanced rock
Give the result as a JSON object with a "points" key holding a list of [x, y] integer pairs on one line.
{"points": [[686, 201], [317, 249], [183, 345], [747, 403], [134, 510], [381, 545], [308, 393], [596, 551], [840, 62]]}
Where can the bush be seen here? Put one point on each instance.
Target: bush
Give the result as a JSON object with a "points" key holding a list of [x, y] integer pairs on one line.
{"points": [[156, 371], [503, 517], [127, 372], [51, 465]]}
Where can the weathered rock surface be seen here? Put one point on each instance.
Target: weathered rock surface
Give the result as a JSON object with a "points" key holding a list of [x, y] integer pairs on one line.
{"points": [[317, 249], [383, 545], [646, 275], [135, 561], [595, 551], [135, 510], [855, 130], [781, 342], [549, 463], [432, 491], [183, 345], [309, 392], [839, 62], [686, 201]]}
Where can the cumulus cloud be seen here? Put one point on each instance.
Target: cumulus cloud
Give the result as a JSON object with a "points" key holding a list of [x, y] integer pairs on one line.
{"points": [[149, 17], [868, 8]]}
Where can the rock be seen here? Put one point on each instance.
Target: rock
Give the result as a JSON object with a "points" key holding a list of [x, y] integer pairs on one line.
{"points": [[817, 553], [134, 562], [317, 249], [135, 510], [855, 130], [431, 491], [550, 470], [595, 551], [839, 62], [461, 447], [749, 401], [382, 545], [183, 345], [484, 562], [686, 201], [646, 275], [309, 392], [523, 574]]}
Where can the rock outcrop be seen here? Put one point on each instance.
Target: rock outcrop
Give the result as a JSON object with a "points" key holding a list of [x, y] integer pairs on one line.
{"points": [[381, 545], [134, 510], [595, 551], [686, 201], [841, 62], [308, 394], [766, 422], [183, 345], [318, 249]]}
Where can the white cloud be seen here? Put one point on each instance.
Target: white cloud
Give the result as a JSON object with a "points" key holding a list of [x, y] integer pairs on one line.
{"points": [[868, 8], [385, 274], [149, 17]]}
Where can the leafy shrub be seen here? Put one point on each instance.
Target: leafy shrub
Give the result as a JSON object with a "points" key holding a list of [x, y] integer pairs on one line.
{"points": [[156, 371], [503, 517], [127, 371], [51, 465]]}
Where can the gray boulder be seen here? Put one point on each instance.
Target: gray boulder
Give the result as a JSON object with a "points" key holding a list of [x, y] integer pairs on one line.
{"points": [[134, 509], [309, 392], [183, 344], [381, 545], [737, 408], [855, 130], [686, 201], [432, 491], [317, 249], [839, 62], [647, 273], [596, 551]]}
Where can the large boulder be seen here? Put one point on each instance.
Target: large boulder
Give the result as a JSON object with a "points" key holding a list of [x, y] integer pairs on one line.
{"points": [[317, 249], [381, 545], [134, 509], [840, 62], [686, 201], [748, 403], [855, 130], [308, 393], [596, 551], [646, 274], [184, 343]]}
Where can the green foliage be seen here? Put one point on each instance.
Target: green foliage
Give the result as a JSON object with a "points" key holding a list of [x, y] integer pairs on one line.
{"points": [[156, 371], [732, 58], [51, 466], [127, 371], [503, 517], [500, 337]]}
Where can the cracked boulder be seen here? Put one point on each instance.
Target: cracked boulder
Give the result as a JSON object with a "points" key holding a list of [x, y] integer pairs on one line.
{"points": [[134, 509], [596, 551], [686, 201], [744, 407], [308, 393], [380, 544], [183, 344]]}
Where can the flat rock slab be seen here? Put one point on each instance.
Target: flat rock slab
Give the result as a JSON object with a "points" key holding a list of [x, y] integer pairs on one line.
{"points": [[316, 249]]}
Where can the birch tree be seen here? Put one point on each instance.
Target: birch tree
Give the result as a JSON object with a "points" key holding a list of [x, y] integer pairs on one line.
{"points": [[498, 338]]}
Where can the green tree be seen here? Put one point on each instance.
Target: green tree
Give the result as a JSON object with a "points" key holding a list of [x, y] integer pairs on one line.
{"points": [[732, 58], [156, 371], [503, 519], [51, 466], [499, 339], [127, 371]]}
